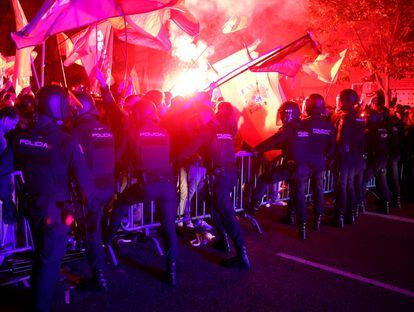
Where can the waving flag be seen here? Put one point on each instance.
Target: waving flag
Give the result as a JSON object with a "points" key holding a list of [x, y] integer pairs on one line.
{"points": [[93, 47], [184, 19], [149, 29], [255, 95], [325, 67], [56, 16], [65, 46], [290, 58], [145, 30], [22, 64]]}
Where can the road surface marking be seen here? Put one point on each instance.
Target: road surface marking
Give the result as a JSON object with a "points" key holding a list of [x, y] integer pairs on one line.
{"points": [[347, 274], [390, 217]]}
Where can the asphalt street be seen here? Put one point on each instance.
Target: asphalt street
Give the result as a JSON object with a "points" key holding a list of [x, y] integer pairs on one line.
{"points": [[364, 267]]}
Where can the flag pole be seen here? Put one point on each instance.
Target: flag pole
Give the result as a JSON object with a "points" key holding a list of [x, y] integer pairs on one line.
{"points": [[42, 68], [61, 65], [238, 71], [34, 72], [126, 50]]}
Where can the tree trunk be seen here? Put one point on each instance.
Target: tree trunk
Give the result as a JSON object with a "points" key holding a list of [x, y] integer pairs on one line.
{"points": [[387, 90], [384, 84]]}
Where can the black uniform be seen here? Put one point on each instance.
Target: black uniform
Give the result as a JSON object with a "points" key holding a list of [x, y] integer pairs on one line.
{"points": [[321, 149], [97, 143], [155, 183], [409, 161], [379, 152], [9, 213], [216, 147], [348, 157], [396, 133], [293, 140], [48, 156]]}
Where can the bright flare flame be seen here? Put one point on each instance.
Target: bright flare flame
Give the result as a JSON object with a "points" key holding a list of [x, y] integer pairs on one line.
{"points": [[188, 82], [194, 74]]}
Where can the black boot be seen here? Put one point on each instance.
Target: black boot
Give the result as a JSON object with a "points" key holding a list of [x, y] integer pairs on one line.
{"points": [[350, 218], [318, 222], [222, 244], [387, 205], [363, 207], [302, 231], [340, 221], [398, 204], [292, 217], [171, 272], [97, 282], [241, 261], [253, 208], [100, 280]]}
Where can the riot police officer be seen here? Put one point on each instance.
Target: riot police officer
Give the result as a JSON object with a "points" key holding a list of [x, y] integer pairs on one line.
{"points": [[349, 147], [214, 142], [321, 148], [360, 161], [378, 148], [97, 143], [155, 180], [48, 156], [396, 132], [293, 140]]}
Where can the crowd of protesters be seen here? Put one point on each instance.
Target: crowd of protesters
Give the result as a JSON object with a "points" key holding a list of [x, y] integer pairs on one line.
{"points": [[176, 147]]}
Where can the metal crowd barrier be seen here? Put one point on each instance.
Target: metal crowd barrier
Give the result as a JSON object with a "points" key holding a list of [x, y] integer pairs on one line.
{"points": [[142, 219], [16, 242], [12, 241]]}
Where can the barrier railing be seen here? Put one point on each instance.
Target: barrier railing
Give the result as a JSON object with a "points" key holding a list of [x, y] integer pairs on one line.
{"points": [[15, 239], [138, 221]]}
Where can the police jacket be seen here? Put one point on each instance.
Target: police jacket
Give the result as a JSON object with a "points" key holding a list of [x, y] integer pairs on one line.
{"points": [[215, 145], [409, 144], [292, 139], [350, 139], [396, 134], [97, 142], [321, 138], [151, 145], [378, 136], [48, 157]]}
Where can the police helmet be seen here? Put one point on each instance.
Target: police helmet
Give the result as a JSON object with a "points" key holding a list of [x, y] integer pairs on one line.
{"points": [[87, 101], [52, 101], [347, 100], [144, 110], [25, 103], [225, 109], [288, 111], [204, 114], [131, 100], [314, 104]]}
